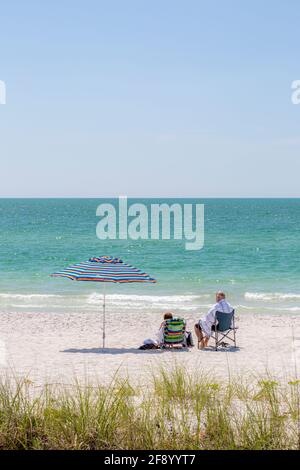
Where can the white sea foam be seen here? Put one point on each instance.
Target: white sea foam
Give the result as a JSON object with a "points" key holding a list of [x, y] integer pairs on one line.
{"points": [[268, 309], [267, 296], [121, 299], [94, 301], [89, 302], [28, 296]]}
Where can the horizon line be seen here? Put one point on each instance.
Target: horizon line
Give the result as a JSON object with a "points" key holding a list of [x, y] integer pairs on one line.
{"points": [[149, 197]]}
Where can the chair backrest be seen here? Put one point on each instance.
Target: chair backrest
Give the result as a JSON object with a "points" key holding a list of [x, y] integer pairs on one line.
{"points": [[174, 330], [224, 320]]}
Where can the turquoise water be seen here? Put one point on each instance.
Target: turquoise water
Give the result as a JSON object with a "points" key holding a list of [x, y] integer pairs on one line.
{"points": [[251, 251]]}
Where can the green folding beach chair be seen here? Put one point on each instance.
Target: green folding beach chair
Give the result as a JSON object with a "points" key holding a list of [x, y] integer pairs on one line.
{"points": [[174, 333], [224, 327]]}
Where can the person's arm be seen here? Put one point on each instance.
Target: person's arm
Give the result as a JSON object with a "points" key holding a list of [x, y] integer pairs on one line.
{"points": [[211, 314], [160, 333]]}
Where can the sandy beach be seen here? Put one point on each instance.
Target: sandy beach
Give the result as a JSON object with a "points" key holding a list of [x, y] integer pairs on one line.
{"points": [[57, 348]]}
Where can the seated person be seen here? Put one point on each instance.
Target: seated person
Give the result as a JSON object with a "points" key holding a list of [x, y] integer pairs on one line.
{"points": [[154, 344], [206, 324], [160, 334]]}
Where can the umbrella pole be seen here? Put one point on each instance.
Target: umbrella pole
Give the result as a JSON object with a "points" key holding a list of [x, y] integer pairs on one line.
{"points": [[103, 326]]}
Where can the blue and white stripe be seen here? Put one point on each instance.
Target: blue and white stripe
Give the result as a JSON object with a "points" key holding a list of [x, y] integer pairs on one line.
{"points": [[104, 269]]}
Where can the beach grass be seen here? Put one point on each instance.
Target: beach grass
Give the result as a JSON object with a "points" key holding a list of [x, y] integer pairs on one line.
{"points": [[176, 410]]}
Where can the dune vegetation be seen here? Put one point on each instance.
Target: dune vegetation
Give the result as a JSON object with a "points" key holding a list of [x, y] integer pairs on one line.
{"points": [[176, 411]]}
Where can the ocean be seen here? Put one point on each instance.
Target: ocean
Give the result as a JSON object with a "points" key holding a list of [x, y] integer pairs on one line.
{"points": [[251, 251]]}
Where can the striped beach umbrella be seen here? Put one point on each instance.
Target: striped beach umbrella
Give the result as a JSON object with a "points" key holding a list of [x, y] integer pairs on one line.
{"points": [[104, 269]]}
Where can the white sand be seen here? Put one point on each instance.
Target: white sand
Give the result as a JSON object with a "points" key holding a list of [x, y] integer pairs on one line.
{"points": [[55, 348]]}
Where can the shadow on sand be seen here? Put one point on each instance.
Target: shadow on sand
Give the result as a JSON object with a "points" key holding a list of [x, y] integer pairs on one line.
{"points": [[120, 351], [230, 349]]}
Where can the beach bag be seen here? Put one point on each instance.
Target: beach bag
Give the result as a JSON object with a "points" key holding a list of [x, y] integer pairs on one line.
{"points": [[189, 339], [148, 344]]}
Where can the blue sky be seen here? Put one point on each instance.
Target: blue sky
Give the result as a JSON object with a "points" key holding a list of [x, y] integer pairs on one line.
{"points": [[149, 98]]}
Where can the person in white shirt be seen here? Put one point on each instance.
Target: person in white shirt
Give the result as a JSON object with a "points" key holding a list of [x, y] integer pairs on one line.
{"points": [[205, 325]]}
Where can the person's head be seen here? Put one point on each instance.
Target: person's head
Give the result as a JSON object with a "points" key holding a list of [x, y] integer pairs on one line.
{"points": [[220, 296], [168, 316]]}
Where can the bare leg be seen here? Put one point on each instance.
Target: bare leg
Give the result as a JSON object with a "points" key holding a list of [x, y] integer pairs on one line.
{"points": [[200, 336], [198, 332], [204, 341]]}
